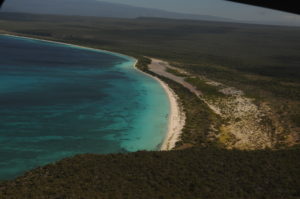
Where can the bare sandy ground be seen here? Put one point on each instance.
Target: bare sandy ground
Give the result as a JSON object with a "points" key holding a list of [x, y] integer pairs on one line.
{"points": [[159, 67]]}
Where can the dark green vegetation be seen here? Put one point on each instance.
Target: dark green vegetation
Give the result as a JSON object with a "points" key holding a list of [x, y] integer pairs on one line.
{"points": [[263, 61], [199, 119], [187, 174]]}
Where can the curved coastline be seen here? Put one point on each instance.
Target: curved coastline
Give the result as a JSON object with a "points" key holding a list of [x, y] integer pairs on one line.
{"points": [[176, 117]]}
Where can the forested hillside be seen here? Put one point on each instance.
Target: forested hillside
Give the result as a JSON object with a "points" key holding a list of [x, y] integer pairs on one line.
{"points": [[193, 173]]}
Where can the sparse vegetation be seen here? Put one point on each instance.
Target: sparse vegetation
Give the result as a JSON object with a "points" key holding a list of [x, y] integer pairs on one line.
{"points": [[176, 72], [208, 90]]}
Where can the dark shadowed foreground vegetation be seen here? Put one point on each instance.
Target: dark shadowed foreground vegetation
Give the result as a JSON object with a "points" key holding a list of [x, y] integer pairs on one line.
{"points": [[187, 174]]}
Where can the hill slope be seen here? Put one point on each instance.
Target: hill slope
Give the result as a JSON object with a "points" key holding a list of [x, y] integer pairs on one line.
{"points": [[95, 8]]}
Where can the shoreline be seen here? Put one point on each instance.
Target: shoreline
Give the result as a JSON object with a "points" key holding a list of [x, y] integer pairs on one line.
{"points": [[72, 45], [176, 117]]}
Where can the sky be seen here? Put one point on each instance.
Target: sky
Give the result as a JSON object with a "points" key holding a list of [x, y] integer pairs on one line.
{"points": [[219, 8]]}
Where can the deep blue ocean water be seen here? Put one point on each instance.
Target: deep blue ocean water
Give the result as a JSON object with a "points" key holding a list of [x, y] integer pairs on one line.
{"points": [[58, 100]]}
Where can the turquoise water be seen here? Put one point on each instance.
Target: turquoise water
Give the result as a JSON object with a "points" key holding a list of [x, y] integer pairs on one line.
{"points": [[59, 100]]}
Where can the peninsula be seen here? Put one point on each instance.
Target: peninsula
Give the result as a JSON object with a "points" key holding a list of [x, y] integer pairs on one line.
{"points": [[234, 121]]}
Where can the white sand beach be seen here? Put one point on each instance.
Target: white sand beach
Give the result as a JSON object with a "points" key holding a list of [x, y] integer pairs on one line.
{"points": [[176, 119], [176, 116]]}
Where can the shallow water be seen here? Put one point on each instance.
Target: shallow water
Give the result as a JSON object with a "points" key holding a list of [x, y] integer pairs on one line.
{"points": [[58, 100]]}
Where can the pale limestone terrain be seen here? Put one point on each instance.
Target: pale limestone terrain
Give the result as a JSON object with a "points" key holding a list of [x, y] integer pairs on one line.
{"points": [[246, 124]]}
